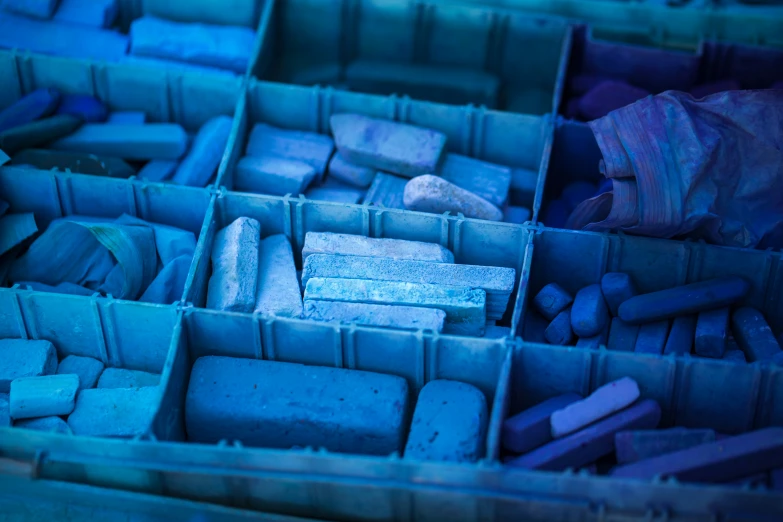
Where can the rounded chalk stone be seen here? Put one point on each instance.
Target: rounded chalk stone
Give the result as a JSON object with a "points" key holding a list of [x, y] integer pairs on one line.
{"points": [[559, 330], [589, 315], [433, 194], [552, 300]]}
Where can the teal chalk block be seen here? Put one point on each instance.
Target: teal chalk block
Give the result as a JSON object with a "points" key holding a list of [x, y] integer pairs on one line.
{"points": [[281, 405], [753, 334], [622, 336], [38, 104], [384, 316], [486, 180], [223, 47], [15, 229], [434, 194], [652, 338], [38, 133], [115, 412], [100, 14], [122, 378], [449, 423], [206, 151], [127, 117], [681, 335], [353, 245], [387, 190], [25, 358], [5, 411], [308, 147], [166, 141], [48, 424], [559, 331], [75, 162], [273, 175], [43, 396], [158, 170], [278, 287], [86, 368], [349, 173], [235, 252], [712, 333], [43, 9]]}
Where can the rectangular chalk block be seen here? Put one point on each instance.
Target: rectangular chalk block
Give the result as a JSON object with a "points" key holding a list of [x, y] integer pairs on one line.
{"points": [[652, 338], [631, 446], [720, 461], [589, 313], [681, 335], [465, 307], [278, 287], [617, 288], [122, 378], [449, 423], [606, 400], [87, 368], [134, 142], [307, 147], [386, 145], [281, 405], [100, 14], [127, 117], [352, 245], [385, 316], [622, 336], [5, 411], [497, 282], [273, 175], [43, 396], [25, 358], [486, 180], [232, 286], [115, 412], [712, 333], [753, 335], [588, 445], [530, 429], [76, 162], [43, 9], [347, 172], [48, 424], [387, 190], [202, 160]]}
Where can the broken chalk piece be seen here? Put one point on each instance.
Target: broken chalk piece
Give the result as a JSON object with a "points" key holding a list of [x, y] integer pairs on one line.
{"points": [[122, 378], [486, 180], [158, 170], [86, 368], [307, 147], [436, 195], [232, 286], [588, 445], [25, 358], [127, 118], [100, 14], [516, 215], [622, 336], [43, 396], [631, 446], [535, 327], [349, 173], [530, 429], [559, 330], [683, 300], [280, 405], [335, 195], [551, 300], [465, 307], [681, 335], [608, 96], [353, 245], [385, 316], [135, 142], [49, 424], [15, 229], [5, 411], [736, 356], [604, 401], [115, 412], [617, 288], [75, 162], [206, 151], [449, 423], [711, 333], [278, 289], [589, 314], [43, 9], [386, 190], [652, 338], [386, 145], [38, 133], [87, 108], [272, 175], [753, 334]]}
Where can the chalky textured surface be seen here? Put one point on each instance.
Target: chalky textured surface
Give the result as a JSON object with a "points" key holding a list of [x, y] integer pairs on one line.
{"points": [[135, 142], [403, 317], [273, 175], [617, 288], [349, 173], [25, 358], [234, 280], [551, 300], [387, 190], [278, 288], [433, 194], [589, 315], [205, 153], [308, 147], [122, 378], [49, 424], [114, 412], [38, 133], [631, 446], [530, 429], [652, 338], [486, 180], [352, 245], [753, 334], [606, 400], [87, 368], [681, 335], [712, 333], [43, 396]]}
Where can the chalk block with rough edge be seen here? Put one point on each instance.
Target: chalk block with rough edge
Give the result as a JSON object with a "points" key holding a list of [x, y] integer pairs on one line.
{"points": [[273, 175], [158, 170], [308, 147], [135, 142], [436, 195], [681, 335], [652, 338], [465, 307], [617, 288], [232, 286], [712, 330], [87, 108], [5, 411], [516, 215], [43, 9], [385, 316], [87, 368], [753, 334], [622, 336], [115, 412], [349, 173], [281, 405], [278, 288], [353, 245], [486, 180], [449, 423], [48, 424], [100, 14], [530, 429], [603, 402], [127, 117], [206, 151], [335, 195], [25, 358], [387, 190], [43, 396], [551, 300], [631, 446], [122, 378], [389, 146], [559, 331], [589, 314]]}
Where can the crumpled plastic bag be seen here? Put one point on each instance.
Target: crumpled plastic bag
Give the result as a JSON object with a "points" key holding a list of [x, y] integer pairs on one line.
{"points": [[709, 168]]}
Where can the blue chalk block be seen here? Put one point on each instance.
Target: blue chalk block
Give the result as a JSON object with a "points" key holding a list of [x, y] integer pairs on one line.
{"points": [[15, 229], [277, 293], [307, 147], [535, 327], [720, 461], [87, 108], [559, 330], [387, 191], [127, 118], [335, 195], [169, 285], [347, 172], [753, 334], [530, 429], [551, 300], [434, 194], [48, 424], [224, 47], [556, 214], [117, 412], [43, 9], [592, 443], [206, 151], [5, 411], [280, 405], [37, 104], [736, 356], [122, 378], [589, 314], [86, 368], [384, 316], [516, 215], [38, 133], [273, 175], [574, 193], [100, 14], [596, 341], [449, 423], [652, 338], [232, 286], [712, 330], [684, 300], [631, 446], [43, 396], [354, 245], [681, 335], [158, 170], [486, 180], [603, 402], [25, 358], [617, 288], [136, 142]]}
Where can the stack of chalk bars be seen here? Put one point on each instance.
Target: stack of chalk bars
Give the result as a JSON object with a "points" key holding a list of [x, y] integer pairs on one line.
{"points": [[346, 278]]}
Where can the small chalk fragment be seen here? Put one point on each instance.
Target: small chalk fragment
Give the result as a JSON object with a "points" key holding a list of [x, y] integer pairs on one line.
{"points": [[386, 190], [385, 316], [516, 215], [617, 288], [353, 245], [273, 175], [38, 133], [122, 378], [306, 147], [712, 333], [559, 330], [631, 446], [158, 170], [43, 396], [206, 151], [349, 173], [622, 336], [436, 195], [574, 193], [551, 300], [608, 96], [52, 424], [75, 162], [681, 335], [87, 108], [43, 9], [530, 429], [652, 338], [135, 142], [753, 334], [232, 286], [535, 327], [127, 118], [736, 356], [589, 314], [5, 411], [486, 180], [86, 368], [115, 412], [278, 288], [449, 423], [604, 401], [25, 358], [707, 89]]}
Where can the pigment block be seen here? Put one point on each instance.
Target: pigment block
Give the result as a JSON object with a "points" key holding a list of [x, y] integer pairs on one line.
{"points": [[133, 142], [465, 307], [349, 173], [617, 288], [38, 133], [684, 300], [87, 108], [25, 358], [352, 245], [631, 446], [308, 147], [115, 412], [232, 286], [588, 445], [681, 335], [652, 338], [43, 396], [43, 9], [603, 402], [223, 47], [335, 195], [497, 282], [273, 175], [387, 191], [49, 424], [386, 145], [736, 356], [436, 195], [530, 429], [608, 96], [385, 316], [278, 287], [720, 461], [486, 180], [5, 411], [127, 117], [94, 13], [712, 333], [122, 378], [449, 423], [589, 314], [535, 326], [559, 330], [206, 151], [281, 405], [516, 215], [753, 334], [158, 170], [75, 162], [86, 368], [15, 229], [551, 300]]}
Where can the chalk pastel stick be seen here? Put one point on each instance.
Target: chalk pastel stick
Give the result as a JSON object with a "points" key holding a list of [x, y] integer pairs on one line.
{"points": [[123, 378], [5, 411], [115, 412], [281, 405], [349, 173], [48, 424], [158, 170], [15, 229], [617, 288], [278, 288], [273, 175], [682, 300], [434, 194], [86, 368], [100, 14], [353, 245], [127, 117], [76, 162], [206, 151], [38, 133], [530, 429], [588, 445], [712, 333], [87, 108], [517, 215], [335, 195], [753, 334], [387, 190], [43, 396], [681, 335], [589, 314], [652, 338], [232, 286], [384, 316], [603, 402], [308, 147], [551, 300], [535, 327], [559, 330], [25, 358], [449, 423], [631, 446], [135, 142], [486, 180]]}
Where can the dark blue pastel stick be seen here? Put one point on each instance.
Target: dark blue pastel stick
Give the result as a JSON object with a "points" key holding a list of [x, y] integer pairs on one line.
{"points": [[652, 338], [712, 333], [551, 300], [631, 446], [38, 133], [622, 336], [559, 330], [589, 314], [88, 108], [683, 300], [530, 429], [681, 335], [37, 104], [617, 288], [753, 334]]}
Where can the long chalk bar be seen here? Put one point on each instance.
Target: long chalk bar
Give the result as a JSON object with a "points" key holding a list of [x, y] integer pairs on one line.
{"points": [[384, 316], [712, 333], [606, 400], [436, 195], [85, 107], [617, 288], [37, 104], [127, 117], [486, 180], [232, 286], [158, 170], [720, 461], [278, 288], [38, 133], [206, 151], [753, 334], [530, 429], [76, 162], [683, 300], [681, 335], [652, 338], [273, 175], [551, 300], [387, 190], [115, 412], [449, 423], [590, 444], [25, 358], [631, 446], [86, 368], [308, 147], [353, 245], [136, 142], [43, 396], [280, 405], [346, 171], [589, 314], [94, 13], [122, 378]]}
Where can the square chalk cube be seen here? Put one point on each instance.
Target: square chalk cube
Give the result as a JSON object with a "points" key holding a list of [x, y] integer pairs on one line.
{"points": [[43, 396], [87, 368], [115, 412], [712, 333]]}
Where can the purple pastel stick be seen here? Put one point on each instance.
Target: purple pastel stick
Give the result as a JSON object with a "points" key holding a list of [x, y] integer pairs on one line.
{"points": [[711, 333], [652, 337], [706, 89], [603, 402], [631, 446], [551, 300], [608, 96], [681, 335], [720, 461], [589, 314], [617, 288], [622, 336], [753, 334], [529, 429], [559, 330], [590, 444]]}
